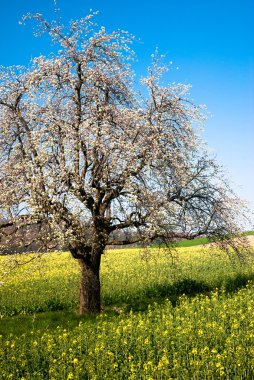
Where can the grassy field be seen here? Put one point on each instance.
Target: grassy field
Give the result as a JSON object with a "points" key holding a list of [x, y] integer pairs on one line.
{"points": [[188, 315]]}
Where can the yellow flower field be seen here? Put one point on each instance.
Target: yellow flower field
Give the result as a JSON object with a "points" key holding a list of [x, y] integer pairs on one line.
{"points": [[191, 318]]}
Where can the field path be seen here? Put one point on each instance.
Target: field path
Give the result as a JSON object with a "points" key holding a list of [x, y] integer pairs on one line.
{"points": [[251, 239]]}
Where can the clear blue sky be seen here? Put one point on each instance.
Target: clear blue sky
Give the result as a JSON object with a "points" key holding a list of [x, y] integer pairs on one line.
{"points": [[212, 43]]}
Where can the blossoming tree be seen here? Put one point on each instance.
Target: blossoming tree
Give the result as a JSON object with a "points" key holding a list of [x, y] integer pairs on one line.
{"points": [[88, 162]]}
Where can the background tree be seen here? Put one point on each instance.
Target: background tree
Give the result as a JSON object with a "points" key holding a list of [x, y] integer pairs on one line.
{"points": [[87, 162]]}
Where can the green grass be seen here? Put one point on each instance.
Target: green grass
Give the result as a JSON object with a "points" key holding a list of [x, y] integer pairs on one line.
{"points": [[186, 243], [193, 242], [183, 315], [248, 233]]}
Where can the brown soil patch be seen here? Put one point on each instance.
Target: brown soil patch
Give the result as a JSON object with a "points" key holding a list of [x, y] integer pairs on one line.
{"points": [[251, 239]]}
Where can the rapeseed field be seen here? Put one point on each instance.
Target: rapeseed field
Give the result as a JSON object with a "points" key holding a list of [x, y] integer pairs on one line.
{"points": [[188, 315]]}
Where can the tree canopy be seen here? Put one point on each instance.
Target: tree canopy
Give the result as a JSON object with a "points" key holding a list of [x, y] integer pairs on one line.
{"points": [[88, 162]]}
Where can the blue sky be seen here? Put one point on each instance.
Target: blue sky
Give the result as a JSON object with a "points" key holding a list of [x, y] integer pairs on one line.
{"points": [[211, 42]]}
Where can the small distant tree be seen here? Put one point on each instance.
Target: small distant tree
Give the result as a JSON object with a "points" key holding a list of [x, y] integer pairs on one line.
{"points": [[87, 162]]}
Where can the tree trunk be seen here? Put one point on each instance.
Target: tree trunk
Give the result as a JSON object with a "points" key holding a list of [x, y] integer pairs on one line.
{"points": [[90, 298]]}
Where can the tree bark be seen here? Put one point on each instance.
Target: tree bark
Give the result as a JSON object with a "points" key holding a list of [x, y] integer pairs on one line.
{"points": [[90, 297]]}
